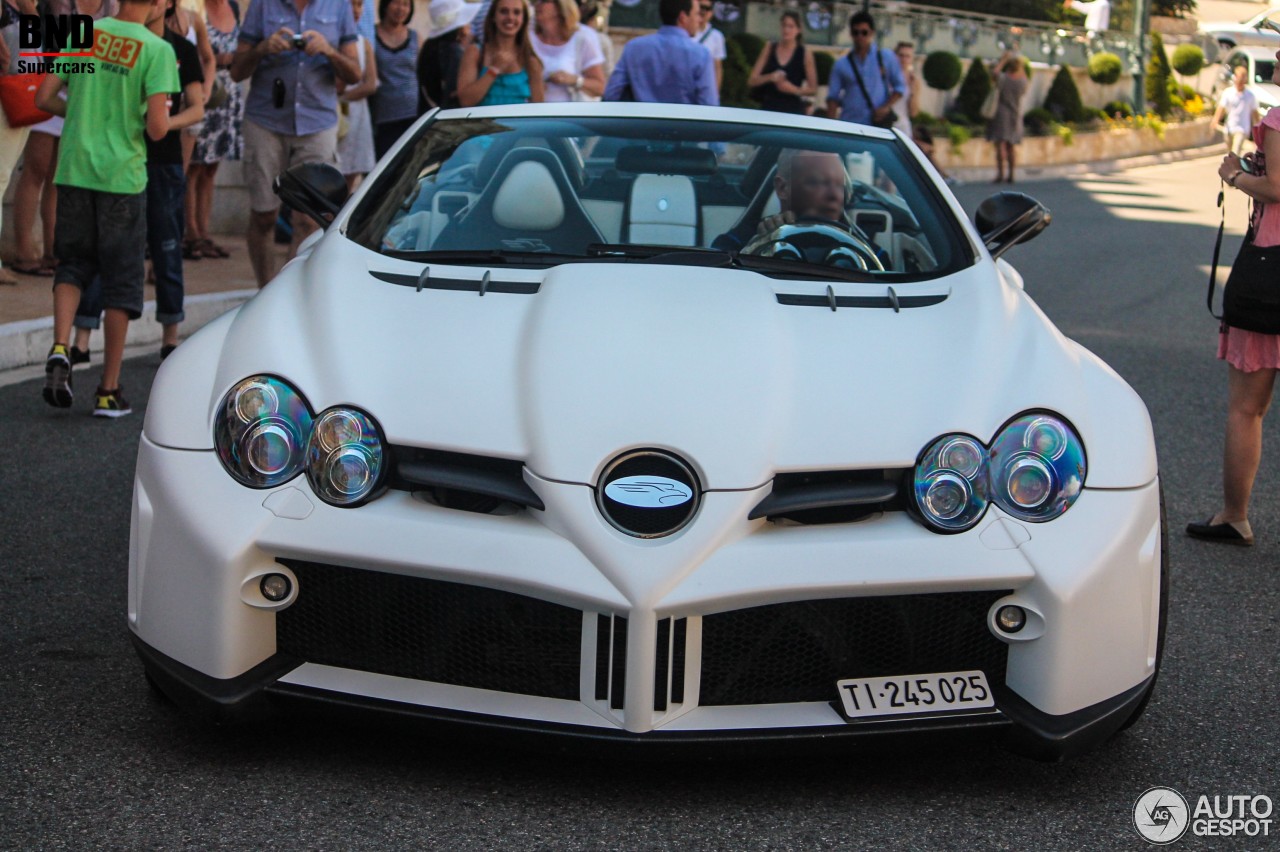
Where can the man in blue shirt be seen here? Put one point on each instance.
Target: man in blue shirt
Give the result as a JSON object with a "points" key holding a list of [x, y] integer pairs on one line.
{"points": [[667, 66], [867, 81], [294, 50]]}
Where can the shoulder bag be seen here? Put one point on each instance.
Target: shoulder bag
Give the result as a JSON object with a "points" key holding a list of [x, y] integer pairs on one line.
{"points": [[1251, 296], [891, 118]]}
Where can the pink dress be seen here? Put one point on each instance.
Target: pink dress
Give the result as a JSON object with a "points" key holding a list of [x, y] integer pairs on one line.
{"points": [[1248, 351]]}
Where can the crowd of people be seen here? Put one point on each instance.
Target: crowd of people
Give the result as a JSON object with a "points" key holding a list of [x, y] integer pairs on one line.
{"points": [[328, 81]]}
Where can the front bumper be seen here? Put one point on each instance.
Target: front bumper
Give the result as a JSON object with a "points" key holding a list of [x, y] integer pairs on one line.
{"points": [[1091, 581]]}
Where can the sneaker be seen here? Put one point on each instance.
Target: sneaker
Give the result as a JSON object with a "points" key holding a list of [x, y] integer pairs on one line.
{"points": [[57, 377], [79, 356], [110, 403]]}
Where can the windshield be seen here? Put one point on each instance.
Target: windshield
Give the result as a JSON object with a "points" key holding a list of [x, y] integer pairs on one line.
{"points": [[542, 191]]}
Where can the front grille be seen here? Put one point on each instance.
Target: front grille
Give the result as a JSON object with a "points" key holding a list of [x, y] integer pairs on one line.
{"points": [[797, 651], [431, 630]]}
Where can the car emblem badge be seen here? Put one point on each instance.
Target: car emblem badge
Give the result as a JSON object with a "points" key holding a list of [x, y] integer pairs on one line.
{"points": [[648, 493]]}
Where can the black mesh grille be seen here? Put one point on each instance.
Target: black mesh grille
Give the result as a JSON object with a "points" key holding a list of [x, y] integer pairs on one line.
{"points": [[431, 630], [797, 651]]}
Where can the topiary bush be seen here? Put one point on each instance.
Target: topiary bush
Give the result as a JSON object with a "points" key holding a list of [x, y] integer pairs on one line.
{"points": [[1123, 109], [1063, 100], [1038, 121], [750, 44], [942, 70], [1158, 76], [1187, 60], [1105, 68], [823, 62], [736, 70], [974, 90]]}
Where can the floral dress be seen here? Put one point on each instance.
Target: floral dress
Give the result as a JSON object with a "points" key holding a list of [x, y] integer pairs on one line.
{"points": [[220, 137]]}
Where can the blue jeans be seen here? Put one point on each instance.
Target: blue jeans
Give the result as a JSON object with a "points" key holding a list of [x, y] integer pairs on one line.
{"points": [[166, 188]]}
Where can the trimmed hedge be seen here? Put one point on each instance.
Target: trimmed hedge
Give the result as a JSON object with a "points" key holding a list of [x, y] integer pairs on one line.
{"points": [[1105, 68], [736, 70], [823, 62], [1063, 100], [974, 90], [1158, 78], [1121, 108], [942, 70], [1187, 60]]}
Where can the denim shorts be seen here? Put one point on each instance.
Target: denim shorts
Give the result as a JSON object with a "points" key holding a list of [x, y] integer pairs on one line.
{"points": [[103, 234]]}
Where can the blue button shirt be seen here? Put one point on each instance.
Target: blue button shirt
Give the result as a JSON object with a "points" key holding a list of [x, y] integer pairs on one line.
{"points": [[843, 85], [310, 96], [666, 67]]}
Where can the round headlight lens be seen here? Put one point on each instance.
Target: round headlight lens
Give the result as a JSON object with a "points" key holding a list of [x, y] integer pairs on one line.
{"points": [[345, 458], [260, 431], [1037, 467], [951, 483]]}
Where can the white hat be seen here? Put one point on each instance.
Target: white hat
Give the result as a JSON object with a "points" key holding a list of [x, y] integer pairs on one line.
{"points": [[449, 15]]}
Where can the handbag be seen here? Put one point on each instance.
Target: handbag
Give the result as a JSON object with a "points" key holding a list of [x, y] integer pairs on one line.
{"points": [[18, 99], [991, 104], [1251, 296], [891, 117]]}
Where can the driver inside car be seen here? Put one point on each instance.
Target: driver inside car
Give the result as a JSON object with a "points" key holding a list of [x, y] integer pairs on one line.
{"points": [[809, 184]]}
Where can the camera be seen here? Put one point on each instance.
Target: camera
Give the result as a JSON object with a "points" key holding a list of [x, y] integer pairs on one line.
{"points": [[1254, 163], [299, 42]]}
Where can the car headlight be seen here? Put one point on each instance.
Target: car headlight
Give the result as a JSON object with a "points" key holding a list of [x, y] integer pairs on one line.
{"points": [[260, 431], [345, 458], [1037, 467], [951, 483]]}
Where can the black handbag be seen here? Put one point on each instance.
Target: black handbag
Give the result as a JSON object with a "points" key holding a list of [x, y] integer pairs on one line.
{"points": [[1251, 296]]}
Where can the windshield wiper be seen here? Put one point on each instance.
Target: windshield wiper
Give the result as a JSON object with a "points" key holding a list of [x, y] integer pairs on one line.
{"points": [[488, 257]]}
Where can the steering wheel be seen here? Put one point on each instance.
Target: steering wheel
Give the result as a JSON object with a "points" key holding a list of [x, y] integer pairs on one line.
{"points": [[824, 242]]}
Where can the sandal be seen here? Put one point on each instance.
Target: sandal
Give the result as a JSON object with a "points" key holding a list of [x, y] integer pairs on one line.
{"points": [[32, 267], [191, 250], [211, 249]]}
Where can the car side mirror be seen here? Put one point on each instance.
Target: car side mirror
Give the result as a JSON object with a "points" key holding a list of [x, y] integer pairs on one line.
{"points": [[317, 190], [1008, 218]]}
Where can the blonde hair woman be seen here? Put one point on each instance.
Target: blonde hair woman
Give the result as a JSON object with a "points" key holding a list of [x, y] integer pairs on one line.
{"points": [[572, 62], [505, 69]]}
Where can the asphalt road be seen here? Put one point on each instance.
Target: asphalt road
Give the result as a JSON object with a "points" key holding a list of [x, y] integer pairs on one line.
{"points": [[89, 759]]}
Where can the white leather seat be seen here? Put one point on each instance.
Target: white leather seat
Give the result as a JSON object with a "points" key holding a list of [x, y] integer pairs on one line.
{"points": [[529, 199], [663, 210]]}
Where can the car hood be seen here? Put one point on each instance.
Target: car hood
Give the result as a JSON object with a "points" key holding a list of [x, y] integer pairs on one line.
{"points": [[707, 363]]}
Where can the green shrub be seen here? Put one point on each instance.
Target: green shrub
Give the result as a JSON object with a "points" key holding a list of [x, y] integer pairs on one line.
{"points": [[958, 118], [1105, 68], [1121, 108], [974, 90], [957, 135], [823, 62], [1038, 121], [942, 70], [1183, 91], [1063, 99], [1188, 59], [751, 45], [736, 70], [1158, 75], [923, 117]]}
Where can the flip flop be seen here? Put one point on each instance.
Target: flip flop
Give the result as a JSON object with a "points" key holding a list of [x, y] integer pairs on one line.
{"points": [[211, 249]]}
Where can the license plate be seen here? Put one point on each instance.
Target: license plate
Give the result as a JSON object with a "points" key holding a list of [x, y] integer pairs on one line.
{"points": [[915, 695]]}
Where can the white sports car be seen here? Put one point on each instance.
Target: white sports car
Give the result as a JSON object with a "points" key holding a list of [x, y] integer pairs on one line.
{"points": [[652, 425]]}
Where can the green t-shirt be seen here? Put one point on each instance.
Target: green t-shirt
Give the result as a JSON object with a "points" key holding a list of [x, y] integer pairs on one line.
{"points": [[103, 140]]}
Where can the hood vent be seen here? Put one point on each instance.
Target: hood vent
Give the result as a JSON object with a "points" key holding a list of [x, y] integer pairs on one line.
{"points": [[833, 496], [885, 301], [466, 285], [462, 481]]}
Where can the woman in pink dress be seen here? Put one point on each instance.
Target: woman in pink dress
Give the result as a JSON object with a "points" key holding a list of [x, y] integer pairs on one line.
{"points": [[1252, 357]]}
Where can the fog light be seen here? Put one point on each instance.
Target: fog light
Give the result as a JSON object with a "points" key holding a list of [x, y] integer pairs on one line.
{"points": [[1011, 619], [276, 587]]}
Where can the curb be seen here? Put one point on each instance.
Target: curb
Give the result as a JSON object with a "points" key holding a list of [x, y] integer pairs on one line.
{"points": [[27, 342], [977, 175]]}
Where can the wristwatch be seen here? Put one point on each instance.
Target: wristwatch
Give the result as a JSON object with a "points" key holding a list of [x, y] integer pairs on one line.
{"points": [[577, 83], [1232, 180]]}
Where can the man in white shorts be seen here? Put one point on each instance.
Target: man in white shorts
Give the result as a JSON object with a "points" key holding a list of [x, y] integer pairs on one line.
{"points": [[1239, 107]]}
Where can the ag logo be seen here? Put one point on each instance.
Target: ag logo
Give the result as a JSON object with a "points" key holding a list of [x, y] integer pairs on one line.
{"points": [[1161, 815]]}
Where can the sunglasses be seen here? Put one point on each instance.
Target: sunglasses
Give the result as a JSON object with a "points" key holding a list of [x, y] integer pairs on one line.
{"points": [[862, 32], [705, 8]]}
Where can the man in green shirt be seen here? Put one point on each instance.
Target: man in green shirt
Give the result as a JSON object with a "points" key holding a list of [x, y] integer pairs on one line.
{"points": [[113, 98]]}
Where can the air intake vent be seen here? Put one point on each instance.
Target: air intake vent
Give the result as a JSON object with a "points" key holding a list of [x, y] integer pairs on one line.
{"points": [[668, 675], [462, 481], [611, 660]]}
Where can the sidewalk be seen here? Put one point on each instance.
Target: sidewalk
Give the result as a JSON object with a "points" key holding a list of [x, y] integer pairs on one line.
{"points": [[213, 286]]}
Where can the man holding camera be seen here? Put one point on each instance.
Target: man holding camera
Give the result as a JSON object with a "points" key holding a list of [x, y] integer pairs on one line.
{"points": [[291, 114]]}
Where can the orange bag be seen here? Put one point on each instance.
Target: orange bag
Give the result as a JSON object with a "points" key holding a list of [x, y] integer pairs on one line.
{"points": [[18, 97]]}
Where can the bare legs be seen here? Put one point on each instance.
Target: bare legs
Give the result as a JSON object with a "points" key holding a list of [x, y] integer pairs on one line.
{"points": [[200, 199], [35, 191], [1005, 155], [1249, 397]]}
